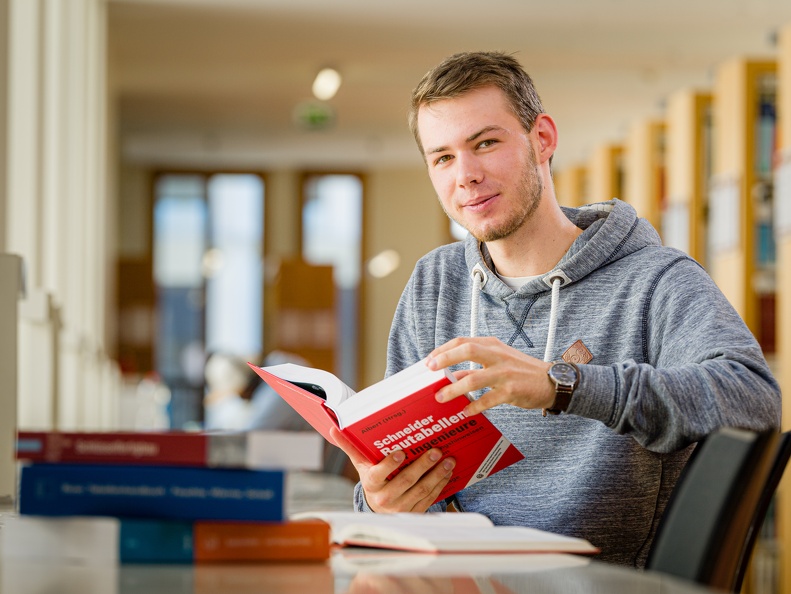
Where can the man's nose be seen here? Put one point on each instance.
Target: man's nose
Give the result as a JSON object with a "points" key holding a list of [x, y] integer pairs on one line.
{"points": [[469, 171]]}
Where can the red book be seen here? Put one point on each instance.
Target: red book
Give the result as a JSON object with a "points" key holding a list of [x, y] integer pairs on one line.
{"points": [[400, 412], [252, 449]]}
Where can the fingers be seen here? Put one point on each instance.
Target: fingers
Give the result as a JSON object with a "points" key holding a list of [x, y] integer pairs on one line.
{"points": [[467, 381], [512, 377], [379, 472], [459, 350], [414, 488]]}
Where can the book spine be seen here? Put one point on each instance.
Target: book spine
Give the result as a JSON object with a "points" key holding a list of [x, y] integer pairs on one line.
{"points": [[105, 540], [307, 540], [183, 449], [155, 541], [253, 449], [152, 492]]}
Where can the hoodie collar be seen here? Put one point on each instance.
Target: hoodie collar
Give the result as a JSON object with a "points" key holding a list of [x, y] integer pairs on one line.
{"points": [[611, 230]]}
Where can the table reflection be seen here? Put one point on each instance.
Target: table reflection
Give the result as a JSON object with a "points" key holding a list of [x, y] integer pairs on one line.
{"points": [[349, 571]]}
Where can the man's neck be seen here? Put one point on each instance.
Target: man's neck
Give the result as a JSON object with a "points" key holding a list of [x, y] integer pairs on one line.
{"points": [[538, 245]]}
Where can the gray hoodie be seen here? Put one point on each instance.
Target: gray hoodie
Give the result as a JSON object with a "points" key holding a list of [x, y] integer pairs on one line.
{"points": [[672, 361]]}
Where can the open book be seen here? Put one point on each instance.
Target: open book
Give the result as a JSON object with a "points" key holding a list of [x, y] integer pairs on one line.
{"points": [[398, 413], [443, 533]]}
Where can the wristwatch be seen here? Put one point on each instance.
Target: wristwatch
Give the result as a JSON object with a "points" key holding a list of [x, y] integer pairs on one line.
{"points": [[566, 376]]}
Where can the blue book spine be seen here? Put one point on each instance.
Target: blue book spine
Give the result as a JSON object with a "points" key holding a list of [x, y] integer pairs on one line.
{"points": [[178, 493], [155, 541]]}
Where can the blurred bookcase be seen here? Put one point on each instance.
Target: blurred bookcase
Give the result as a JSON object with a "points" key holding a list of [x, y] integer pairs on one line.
{"points": [[605, 173], [644, 169], [742, 253], [687, 170], [571, 186], [782, 227]]}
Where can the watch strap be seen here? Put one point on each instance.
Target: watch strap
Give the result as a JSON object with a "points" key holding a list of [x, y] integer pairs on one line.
{"points": [[562, 399]]}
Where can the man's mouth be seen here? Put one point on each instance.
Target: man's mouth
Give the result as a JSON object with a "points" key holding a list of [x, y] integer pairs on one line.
{"points": [[479, 202]]}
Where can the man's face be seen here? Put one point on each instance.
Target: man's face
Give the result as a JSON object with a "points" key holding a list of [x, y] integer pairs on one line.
{"points": [[481, 162]]}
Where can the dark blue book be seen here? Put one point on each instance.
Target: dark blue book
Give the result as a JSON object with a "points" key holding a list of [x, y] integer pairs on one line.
{"points": [[128, 491]]}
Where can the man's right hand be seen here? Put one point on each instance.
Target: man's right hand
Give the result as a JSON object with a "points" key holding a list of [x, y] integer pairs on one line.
{"points": [[413, 489]]}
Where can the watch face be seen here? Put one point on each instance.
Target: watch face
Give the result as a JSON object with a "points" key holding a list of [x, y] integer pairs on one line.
{"points": [[563, 373]]}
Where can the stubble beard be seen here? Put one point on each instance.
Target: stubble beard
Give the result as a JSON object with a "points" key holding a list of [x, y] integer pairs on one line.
{"points": [[531, 188]]}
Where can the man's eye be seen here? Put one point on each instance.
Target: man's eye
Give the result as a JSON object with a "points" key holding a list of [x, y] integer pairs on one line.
{"points": [[442, 159], [487, 143]]}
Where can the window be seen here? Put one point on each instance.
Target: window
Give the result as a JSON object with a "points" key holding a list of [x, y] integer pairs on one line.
{"points": [[332, 234], [208, 271]]}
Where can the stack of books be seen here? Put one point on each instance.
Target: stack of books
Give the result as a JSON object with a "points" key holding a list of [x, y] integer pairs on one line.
{"points": [[161, 497]]}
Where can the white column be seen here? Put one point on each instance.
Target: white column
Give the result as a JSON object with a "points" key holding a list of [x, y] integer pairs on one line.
{"points": [[24, 133], [56, 215], [38, 349], [4, 41], [10, 286]]}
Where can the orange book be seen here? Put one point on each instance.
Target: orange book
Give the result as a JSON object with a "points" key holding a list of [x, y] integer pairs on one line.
{"points": [[301, 540]]}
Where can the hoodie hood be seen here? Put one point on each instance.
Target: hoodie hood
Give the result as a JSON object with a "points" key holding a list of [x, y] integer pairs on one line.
{"points": [[611, 230]]}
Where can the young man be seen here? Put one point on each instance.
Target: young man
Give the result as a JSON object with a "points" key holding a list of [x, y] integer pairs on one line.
{"points": [[656, 358]]}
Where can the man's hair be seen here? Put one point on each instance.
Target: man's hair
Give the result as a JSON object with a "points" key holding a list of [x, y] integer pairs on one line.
{"points": [[464, 72]]}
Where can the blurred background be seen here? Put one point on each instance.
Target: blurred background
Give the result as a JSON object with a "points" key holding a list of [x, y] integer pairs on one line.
{"points": [[180, 182]]}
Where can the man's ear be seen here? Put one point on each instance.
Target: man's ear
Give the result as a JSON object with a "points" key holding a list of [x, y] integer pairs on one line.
{"points": [[546, 134]]}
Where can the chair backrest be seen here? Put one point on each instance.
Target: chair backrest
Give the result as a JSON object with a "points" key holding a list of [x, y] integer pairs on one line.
{"points": [[718, 506]]}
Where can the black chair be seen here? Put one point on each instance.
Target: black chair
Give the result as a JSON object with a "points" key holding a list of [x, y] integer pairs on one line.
{"points": [[713, 518]]}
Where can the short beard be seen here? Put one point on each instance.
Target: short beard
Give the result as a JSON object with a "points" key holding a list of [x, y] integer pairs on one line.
{"points": [[531, 188]]}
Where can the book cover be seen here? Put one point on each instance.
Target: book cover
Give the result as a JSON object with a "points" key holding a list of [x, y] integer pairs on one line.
{"points": [[167, 492], [400, 412], [304, 540], [293, 450]]}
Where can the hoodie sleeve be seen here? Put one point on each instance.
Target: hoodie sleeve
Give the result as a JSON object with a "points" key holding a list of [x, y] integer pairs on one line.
{"points": [[700, 369]]}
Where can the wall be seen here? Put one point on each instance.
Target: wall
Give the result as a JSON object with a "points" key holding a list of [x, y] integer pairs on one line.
{"points": [[403, 213]]}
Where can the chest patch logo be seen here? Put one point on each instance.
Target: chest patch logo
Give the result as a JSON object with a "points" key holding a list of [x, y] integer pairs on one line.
{"points": [[577, 353]]}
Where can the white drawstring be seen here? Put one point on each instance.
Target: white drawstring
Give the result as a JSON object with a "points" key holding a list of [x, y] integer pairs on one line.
{"points": [[553, 317], [478, 281]]}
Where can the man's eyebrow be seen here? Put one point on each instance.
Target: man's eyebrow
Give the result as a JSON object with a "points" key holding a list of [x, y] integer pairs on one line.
{"points": [[482, 132], [470, 138]]}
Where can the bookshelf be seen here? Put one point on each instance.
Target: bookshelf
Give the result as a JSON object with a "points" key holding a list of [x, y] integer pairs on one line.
{"points": [[688, 169], [644, 169], [605, 173], [740, 192], [782, 179], [571, 186]]}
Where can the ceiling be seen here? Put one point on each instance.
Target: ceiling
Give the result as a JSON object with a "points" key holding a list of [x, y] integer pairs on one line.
{"points": [[216, 82]]}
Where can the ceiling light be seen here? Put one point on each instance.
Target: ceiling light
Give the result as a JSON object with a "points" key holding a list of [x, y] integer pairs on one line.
{"points": [[327, 83]]}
